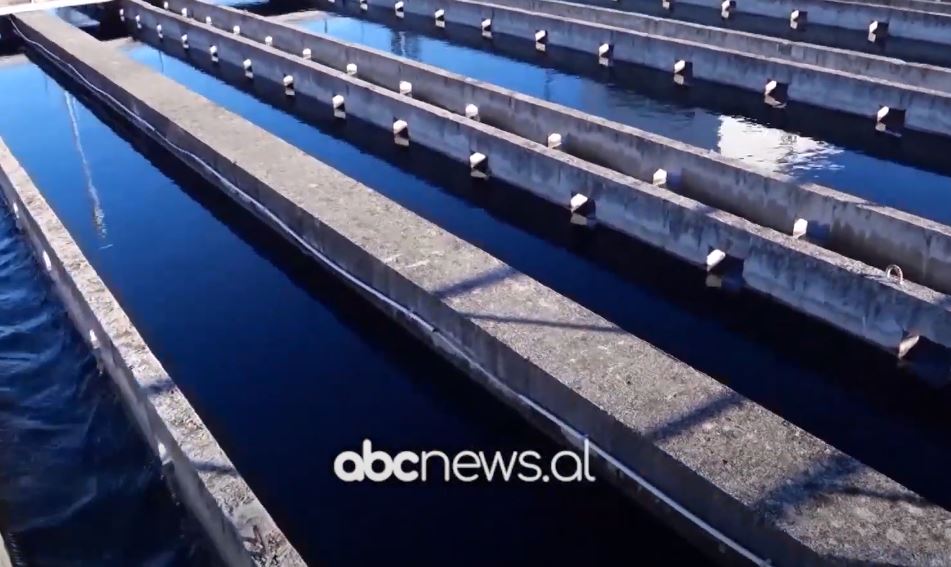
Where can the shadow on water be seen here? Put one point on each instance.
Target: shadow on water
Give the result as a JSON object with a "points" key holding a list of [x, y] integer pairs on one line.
{"points": [[78, 485], [282, 418], [766, 352]]}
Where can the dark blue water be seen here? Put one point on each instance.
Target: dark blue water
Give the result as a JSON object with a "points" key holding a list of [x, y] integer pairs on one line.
{"points": [[78, 485], [809, 145], [882, 416], [288, 368]]}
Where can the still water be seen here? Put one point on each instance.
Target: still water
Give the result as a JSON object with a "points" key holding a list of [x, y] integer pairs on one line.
{"points": [[288, 368]]}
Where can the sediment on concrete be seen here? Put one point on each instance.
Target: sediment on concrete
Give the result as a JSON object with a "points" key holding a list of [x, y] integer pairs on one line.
{"points": [[925, 110], [236, 525], [840, 291], [672, 436], [871, 233], [853, 62], [923, 21]]}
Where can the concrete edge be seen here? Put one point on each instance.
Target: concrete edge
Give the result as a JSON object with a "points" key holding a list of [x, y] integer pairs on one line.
{"points": [[202, 476]]}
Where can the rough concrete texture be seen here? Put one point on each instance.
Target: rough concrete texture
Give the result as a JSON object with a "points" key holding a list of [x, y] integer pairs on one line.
{"points": [[845, 293], [853, 62], [927, 110], [775, 488], [912, 19], [203, 477], [868, 232]]}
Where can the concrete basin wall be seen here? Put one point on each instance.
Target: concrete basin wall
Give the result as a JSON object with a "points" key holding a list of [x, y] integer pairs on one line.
{"points": [[747, 485], [926, 110], [925, 21], [234, 521], [853, 62]]}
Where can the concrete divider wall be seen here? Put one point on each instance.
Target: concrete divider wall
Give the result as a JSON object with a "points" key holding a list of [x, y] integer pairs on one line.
{"points": [[912, 24], [575, 372], [234, 521], [876, 235], [842, 292], [854, 62], [927, 110]]}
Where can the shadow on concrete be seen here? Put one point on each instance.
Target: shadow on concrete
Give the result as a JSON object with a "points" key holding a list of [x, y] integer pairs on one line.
{"points": [[697, 416], [485, 279]]}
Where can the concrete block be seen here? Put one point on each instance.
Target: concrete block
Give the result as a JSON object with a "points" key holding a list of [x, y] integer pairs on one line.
{"points": [[337, 102], [890, 120], [776, 94], [401, 133], [605, 52], [541, 40], [727, 8], [479, 166], [582, 210], [683, 72], [878, 32], [798, 19], [472, 112]]}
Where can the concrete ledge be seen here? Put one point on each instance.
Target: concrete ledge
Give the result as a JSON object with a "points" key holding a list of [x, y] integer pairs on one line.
{"points": [[853, 62], [845, 293], [709, 462], [876, 235], [921, 20], [927, 110], [203, 478]]}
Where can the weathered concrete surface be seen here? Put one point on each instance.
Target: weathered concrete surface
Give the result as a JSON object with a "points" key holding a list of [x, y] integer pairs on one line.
{"points": [[874, 234], [843, 292], [204, 479], [779, 491], [925, 21], [853, 62], [927, 110]]}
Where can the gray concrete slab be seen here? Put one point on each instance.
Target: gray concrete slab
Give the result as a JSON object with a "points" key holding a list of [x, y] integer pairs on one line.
{"points": [[204, 479], [740, 472]]}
